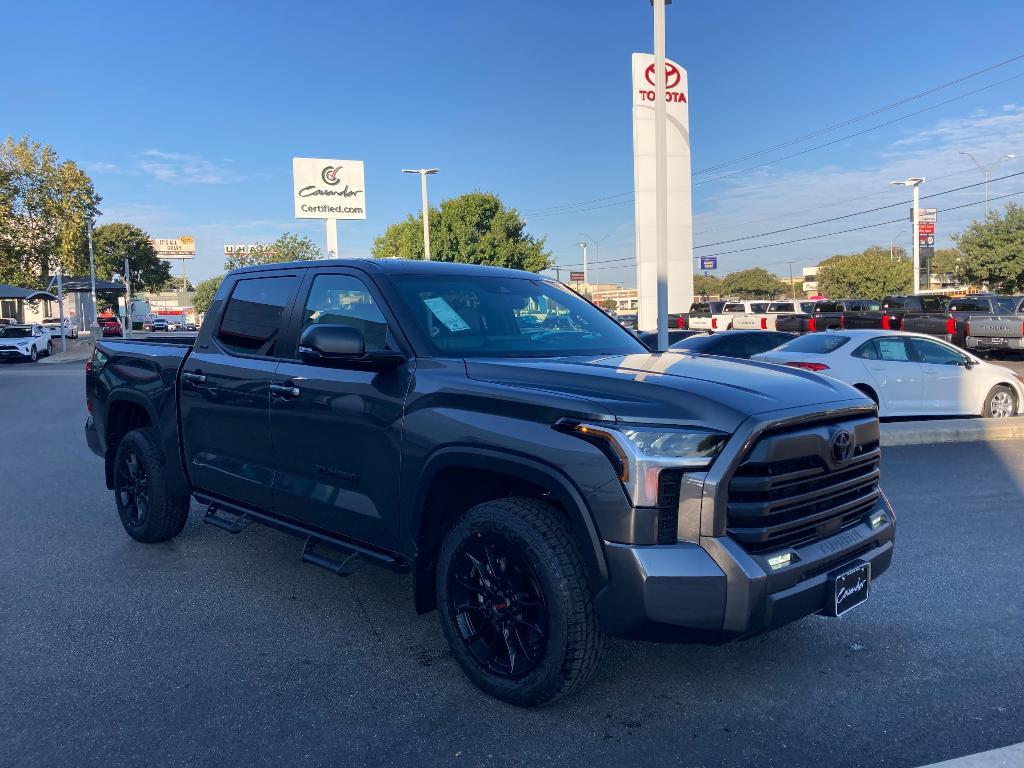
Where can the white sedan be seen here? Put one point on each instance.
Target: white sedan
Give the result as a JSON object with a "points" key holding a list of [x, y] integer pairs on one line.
{"points": [[907, 374], [24, 342]]}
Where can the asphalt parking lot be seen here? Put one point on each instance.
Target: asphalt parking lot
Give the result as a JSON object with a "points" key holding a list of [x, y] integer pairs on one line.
{"points": [[225, 650]]}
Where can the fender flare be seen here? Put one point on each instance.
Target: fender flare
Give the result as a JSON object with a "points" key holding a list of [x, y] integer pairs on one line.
{"points": [[168, 443], [529, 469]]}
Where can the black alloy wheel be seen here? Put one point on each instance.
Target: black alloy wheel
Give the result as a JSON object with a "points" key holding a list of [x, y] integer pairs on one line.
{"points": [[498, 605], [132, 488]]}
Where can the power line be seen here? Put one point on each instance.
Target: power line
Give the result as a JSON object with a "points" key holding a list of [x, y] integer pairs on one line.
{"points": [[569, 207], [851, 215], [857, 119]]}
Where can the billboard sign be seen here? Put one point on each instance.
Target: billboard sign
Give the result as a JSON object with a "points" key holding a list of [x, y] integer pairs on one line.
{"points": [[680, 224], [243, 249], [328, 189], [575, 277], [183, 247], [709, 263], [925, 226]]}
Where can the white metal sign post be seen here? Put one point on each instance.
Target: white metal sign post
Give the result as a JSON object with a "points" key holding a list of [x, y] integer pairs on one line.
{"points": [[329, 190], [663, 208]]}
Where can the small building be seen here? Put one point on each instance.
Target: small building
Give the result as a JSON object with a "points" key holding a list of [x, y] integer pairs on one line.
{"points": [[26, 305]]}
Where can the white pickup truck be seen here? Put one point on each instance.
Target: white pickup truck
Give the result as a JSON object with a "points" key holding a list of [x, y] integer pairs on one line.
{"points": [[765, 320], [719, 315]]}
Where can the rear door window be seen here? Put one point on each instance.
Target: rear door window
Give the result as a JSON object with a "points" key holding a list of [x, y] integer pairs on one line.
{"points": [[893, 350], [781, 306], [254, 315]]}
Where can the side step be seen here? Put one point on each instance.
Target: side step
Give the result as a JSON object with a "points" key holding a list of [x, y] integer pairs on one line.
{"points": [[230, 522], [345, 557], [349, 564]]}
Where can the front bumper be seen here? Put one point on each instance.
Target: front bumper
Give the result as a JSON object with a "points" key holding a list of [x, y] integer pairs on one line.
{"points": [[18, 352], [715, 591]]}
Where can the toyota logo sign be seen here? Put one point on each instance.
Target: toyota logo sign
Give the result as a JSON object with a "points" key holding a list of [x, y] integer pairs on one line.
{"points": [[842, 446], [672, 75]]}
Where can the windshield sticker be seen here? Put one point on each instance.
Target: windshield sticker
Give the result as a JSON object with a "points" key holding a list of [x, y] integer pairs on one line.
{"points": [[443, 311]]}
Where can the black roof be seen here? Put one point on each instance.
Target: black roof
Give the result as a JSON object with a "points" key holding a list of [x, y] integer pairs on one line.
{"points": [[27, 294], [401, 267]]}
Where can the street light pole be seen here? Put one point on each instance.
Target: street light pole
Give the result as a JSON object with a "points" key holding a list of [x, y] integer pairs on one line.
{"points": [[915, 182], [661, 171], [792, 285], [986, 170], [585, 275], [424, 172], [92, 276]]}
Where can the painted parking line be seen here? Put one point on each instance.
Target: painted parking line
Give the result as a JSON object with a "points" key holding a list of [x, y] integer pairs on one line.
{"points": [[1007, 757]]}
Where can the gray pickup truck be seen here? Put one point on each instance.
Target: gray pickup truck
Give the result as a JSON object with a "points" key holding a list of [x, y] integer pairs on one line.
{"points": [[545, 478], [997, 333]]}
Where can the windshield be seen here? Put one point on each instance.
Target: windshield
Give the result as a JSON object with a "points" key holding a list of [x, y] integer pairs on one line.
{"points": [[10, 332], [510, 317], [815, 344]]}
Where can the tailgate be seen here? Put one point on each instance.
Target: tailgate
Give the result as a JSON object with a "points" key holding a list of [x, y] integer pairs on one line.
{"points": [[997, 326]]}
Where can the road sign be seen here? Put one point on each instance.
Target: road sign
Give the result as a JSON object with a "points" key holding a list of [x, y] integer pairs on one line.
{"points": [[709, 263], [575, 277]]}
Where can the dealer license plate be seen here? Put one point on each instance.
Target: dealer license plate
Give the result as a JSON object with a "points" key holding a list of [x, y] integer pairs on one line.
{"points": [[849, 588]]}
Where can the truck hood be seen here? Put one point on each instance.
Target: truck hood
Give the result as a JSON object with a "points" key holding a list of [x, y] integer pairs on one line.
{"points": [[715, 392]]}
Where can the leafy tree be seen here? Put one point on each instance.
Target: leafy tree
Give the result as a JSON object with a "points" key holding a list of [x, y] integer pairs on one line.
{"points": [[992, 251], [944, 262], [871, 274], [113, 243], [756, 283], [44, 206], [287, 247], [609, 304], [174, 284], [707, 285], [474, 228], [204, 294]]}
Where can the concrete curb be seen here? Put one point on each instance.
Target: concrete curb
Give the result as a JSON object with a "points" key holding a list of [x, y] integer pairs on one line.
{"points": [[1007, 757], [79, 351], [951, 431]]}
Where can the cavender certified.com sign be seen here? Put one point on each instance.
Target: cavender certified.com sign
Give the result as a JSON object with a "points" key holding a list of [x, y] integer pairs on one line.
{"points": [[328, 189]]}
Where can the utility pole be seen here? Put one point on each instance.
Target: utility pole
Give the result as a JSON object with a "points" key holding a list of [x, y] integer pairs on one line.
{"points": [[92, 276], [60, 306], [915, 183], [126, 331], [792, 285], [985, 171], [332, 238], [661, 171], [424, 172]]}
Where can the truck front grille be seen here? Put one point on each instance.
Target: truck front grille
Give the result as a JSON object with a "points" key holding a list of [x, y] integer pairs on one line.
{"points": [[789, 491], [668, 505]]}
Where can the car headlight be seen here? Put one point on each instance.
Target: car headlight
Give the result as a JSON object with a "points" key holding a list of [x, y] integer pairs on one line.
{"points": [[639, 453]]}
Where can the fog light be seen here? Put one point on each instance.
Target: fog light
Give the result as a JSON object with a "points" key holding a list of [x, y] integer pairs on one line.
{"points": [[877, 519], [780, 561]]}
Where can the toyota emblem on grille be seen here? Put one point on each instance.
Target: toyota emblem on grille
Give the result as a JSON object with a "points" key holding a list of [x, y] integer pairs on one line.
{"points": [[842, 446]]}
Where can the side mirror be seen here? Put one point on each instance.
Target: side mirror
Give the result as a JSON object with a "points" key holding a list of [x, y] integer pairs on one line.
{"points": [[324, 344]]}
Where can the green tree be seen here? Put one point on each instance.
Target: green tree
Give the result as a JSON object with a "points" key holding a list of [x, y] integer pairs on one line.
{"points": [[756, 283], [205, 291], [992, 251], [707, 285], [45, 204], [287, 247], [609, 304], [871, 274], [944, 262], [113, 243], [474, 228]]}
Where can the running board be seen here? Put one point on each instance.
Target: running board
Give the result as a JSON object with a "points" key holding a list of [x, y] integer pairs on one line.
{"points": [[234, 518]]}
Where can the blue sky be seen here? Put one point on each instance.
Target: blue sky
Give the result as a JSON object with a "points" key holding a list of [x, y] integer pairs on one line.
{"points": [[188, 114]]}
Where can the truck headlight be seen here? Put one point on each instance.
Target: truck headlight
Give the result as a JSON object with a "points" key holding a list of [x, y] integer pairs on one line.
{"points": [[639, 453]]}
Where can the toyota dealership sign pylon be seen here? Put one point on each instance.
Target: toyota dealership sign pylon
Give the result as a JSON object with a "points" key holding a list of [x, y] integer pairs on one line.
{"points": [[680, 206]]}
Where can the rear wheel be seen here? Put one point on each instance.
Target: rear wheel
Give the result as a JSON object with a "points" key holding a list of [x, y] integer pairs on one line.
{"points": [[1000, 403], [147, 511], [49, 348], [515, 603]]}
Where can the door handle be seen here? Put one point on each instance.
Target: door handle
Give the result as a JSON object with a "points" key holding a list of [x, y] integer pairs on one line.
{"points": [[194, 378], [282, 390]]}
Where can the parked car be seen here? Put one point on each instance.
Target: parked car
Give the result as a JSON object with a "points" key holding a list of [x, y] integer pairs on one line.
{"points": [[174, 324], [189, 326], [907, 374], [650, 338], [543, 487], [110, 326], [740, 344], [627, 321], [25, 342], [56, 328], [825, 315], [155, 324], [701, 314], [767, 319], [999, 332]]}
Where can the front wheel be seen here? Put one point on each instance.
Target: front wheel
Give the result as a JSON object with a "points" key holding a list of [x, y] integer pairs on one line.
{"points": [[147, 511], [515, 603], [1000, 403], [34, 354]]}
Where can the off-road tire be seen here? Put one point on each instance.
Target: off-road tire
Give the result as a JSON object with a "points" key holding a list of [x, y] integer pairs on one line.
{"points": [[165, 514], [1000, 392], [574, 642]]}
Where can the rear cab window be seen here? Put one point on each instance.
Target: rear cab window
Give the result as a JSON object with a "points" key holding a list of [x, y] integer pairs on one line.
{"points": [[254, 315]]}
